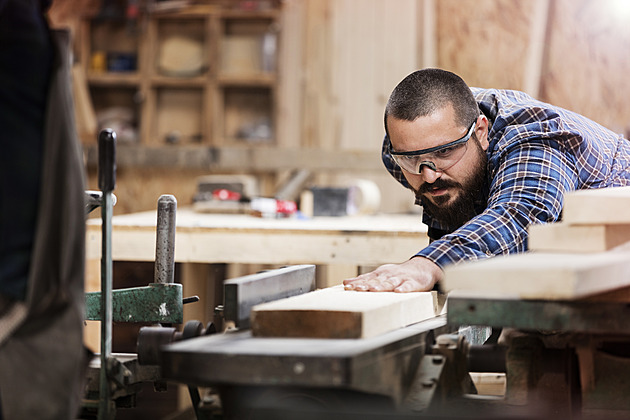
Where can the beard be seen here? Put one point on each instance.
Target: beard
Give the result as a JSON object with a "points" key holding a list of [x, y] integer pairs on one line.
{"points": [[453, 213]]}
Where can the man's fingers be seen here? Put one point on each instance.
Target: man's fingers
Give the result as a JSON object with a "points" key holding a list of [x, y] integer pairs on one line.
{"points": [[361, 281], [415, 275], [385, 285], [408, 286], [373, 284]]}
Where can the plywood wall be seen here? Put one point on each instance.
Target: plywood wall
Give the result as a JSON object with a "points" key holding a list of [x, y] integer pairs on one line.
{"points": [[485, 41], [583, 53], [588, 60]]}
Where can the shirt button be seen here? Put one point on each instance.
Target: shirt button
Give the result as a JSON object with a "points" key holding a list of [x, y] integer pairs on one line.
{"points": [[488, 253]]}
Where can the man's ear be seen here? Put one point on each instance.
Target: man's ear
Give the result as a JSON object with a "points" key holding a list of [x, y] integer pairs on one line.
{"points": [[481, 131]]}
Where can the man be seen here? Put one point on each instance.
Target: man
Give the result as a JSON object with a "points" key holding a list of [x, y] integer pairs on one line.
{"points": [[484, 164]]}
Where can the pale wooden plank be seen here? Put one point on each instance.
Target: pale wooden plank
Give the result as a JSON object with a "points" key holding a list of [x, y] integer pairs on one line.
{"points": [[597, 206], [337, 313], [538, 42], [290, 61], [550, 276], [563, 237]]}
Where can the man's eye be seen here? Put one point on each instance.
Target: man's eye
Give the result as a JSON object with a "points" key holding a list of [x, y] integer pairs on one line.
{"points": [[444, 152]]}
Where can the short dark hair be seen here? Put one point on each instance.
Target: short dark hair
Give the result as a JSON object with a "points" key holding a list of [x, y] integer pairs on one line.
{"points": [[426, 91]]}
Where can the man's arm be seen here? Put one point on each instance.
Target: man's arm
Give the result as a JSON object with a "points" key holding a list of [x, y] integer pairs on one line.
{"points": [[528, 187]]}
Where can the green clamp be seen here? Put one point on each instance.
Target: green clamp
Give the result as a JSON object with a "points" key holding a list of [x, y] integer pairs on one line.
{"points": [[155, 303]]}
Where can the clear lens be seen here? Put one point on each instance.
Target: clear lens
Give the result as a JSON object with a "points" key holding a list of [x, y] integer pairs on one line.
{"points": [[440, 160]]}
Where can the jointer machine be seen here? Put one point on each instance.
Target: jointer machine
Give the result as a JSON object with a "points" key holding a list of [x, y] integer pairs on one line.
{"points": [[561, 359]]}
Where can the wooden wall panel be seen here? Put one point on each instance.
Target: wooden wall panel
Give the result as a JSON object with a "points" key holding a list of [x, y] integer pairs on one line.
{"points": [[485, 41], [588, 60], [355, 53], [290, 68]]}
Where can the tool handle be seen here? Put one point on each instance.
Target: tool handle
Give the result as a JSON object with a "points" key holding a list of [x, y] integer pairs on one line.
{"points": [[164, 271], [107, 160]]}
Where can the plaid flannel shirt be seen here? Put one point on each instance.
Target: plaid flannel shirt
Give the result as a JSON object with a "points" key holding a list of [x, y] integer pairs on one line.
{"points": [[537, 153]]}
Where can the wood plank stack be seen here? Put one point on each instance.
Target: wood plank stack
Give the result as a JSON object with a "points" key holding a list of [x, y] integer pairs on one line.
{"points": [[582, 256], [593, 221]]}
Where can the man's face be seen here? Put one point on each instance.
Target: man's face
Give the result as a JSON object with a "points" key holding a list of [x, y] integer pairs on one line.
{"points": [[447, 194]]}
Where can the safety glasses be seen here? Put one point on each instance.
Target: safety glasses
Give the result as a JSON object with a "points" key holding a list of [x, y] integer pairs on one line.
{"points": [[438, 158]]}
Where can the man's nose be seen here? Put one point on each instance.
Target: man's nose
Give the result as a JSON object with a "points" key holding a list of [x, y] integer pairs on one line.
{"points": [[429, 175]]}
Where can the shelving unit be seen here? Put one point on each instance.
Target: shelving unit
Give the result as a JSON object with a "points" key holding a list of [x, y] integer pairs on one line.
{"points": [[204, 74]]}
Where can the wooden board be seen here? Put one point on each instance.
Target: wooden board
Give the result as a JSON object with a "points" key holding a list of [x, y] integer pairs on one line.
{"points": [[549, 276], [563, 237], [337, 313], [597, 206]]}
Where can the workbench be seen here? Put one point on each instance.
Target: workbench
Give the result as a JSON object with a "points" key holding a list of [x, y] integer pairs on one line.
{"points": [[240, 238], [339, 243]]}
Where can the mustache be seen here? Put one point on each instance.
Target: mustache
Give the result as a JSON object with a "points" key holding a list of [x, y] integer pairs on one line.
{"points": [[439, 183]]}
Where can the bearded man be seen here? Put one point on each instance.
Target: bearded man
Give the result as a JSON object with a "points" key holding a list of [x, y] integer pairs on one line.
{"points": [[484, 164]]}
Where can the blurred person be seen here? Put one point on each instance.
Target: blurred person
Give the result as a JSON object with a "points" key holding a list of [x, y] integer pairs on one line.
{"points": [[42, 221]]}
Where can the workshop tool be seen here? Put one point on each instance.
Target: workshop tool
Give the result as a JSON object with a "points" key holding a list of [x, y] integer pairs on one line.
{"points": [[243, 293], [240, 295], [114, 379], [160, 301], [239, 189], [397, 373], [94, 200], [420, 371], [107, 184], [387, 374]]}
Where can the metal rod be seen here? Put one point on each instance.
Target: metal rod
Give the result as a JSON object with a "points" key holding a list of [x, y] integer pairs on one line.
{"points": [[165, 240], [106, 307], [107, 183]]}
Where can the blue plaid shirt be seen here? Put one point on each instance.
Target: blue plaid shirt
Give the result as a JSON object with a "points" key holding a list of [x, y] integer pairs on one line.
{"points": [[537, 153]]}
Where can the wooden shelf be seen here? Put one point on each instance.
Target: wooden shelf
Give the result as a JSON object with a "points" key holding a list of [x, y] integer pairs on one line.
{"points": [[270, 14], [260, 79], [186, 82], [113, 79], [232, 90]]}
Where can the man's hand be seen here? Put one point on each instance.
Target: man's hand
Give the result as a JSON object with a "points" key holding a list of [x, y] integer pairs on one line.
{"points": [[415, 275]]}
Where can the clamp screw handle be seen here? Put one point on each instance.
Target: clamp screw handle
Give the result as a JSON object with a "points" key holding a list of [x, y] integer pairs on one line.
{"points": [[107, 160]]}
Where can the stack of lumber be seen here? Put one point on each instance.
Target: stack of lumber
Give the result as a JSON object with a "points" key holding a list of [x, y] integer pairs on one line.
{"points": [[584, 255], [337, 313], [593, 221]]}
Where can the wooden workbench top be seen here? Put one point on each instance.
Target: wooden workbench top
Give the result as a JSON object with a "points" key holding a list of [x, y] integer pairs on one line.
{"points": [[232, 238]]}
